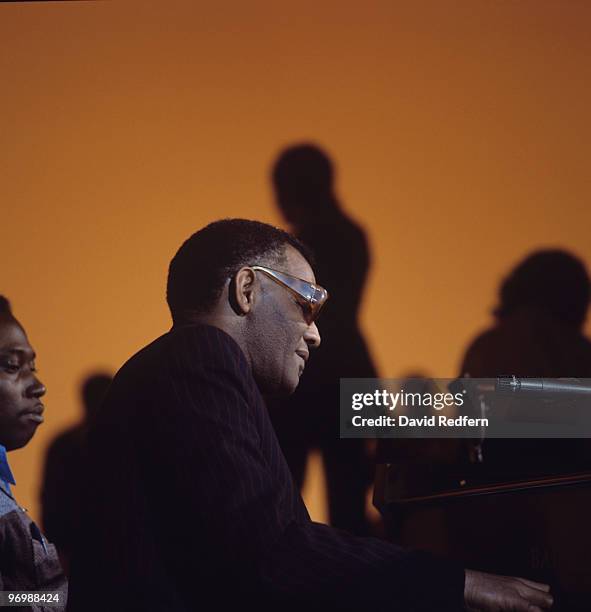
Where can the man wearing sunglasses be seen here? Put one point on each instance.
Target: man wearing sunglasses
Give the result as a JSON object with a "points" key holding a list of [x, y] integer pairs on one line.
{"points": [[191, 504]]}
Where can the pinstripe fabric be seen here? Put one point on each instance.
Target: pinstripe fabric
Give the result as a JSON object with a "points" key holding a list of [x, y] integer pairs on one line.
{"points": [[191, 505]]}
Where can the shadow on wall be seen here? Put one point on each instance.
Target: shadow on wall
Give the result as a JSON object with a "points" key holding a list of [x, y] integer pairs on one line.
{"points": [[64, 472], [303, 182]]}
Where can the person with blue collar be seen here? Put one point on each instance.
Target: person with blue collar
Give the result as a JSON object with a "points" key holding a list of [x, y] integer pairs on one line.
{"points": [[28, 562]]}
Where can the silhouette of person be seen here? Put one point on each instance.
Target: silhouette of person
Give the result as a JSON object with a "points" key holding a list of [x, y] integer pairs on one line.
{"points": [[303, 180], [539, 322], [65, 472], [538, 333]]}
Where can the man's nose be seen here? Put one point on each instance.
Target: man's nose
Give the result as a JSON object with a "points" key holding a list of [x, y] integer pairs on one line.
{"points": [[312, 336], [36, 388]]}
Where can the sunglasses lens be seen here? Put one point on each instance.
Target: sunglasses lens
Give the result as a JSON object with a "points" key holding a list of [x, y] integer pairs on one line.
{"points": [[320, 298], [310, 296]]}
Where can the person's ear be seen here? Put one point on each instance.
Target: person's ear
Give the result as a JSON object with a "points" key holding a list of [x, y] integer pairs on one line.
{"points": [[241, 291]]}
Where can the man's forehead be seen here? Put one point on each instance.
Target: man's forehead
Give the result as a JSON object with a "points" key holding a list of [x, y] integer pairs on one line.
{"points": [[13, 337], [297, 265]]}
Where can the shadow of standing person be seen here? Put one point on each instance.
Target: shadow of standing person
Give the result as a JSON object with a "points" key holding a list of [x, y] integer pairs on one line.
{"points": [[303, 178], [64, 472]]}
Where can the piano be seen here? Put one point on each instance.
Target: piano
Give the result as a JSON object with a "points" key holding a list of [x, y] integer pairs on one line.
{"points": [[524, 510]]}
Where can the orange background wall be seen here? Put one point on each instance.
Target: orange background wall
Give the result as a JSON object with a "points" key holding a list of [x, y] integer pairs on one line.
{"points": [[460, 128]]}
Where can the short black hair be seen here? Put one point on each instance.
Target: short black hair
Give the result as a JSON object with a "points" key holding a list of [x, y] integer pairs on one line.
{"points": [[206, 260], [5, 306]]}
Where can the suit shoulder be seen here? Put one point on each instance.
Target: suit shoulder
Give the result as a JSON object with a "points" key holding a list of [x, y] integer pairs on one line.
{"points": [[207, 345], [186, 347], [186, 362]]}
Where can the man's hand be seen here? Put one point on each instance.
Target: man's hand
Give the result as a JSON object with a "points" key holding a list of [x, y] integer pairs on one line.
{"points": [[490, 593]]}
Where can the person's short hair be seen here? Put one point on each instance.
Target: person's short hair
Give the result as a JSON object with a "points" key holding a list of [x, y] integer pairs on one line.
{"points": [[552, 281], [201, 267], [5, 306]]}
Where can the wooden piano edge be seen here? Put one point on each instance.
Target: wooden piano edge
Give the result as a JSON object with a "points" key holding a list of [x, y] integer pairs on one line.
{"points": [[381, 499]]}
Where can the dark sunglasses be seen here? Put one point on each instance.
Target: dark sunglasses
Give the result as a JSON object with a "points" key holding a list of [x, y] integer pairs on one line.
{"points": [[311, 297]]}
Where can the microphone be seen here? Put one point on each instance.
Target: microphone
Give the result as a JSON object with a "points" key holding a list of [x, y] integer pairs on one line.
{"points": [[550, 386]]}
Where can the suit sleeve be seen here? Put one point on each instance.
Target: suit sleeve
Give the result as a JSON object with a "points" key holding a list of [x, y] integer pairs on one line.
{"points": [[218, 467]]}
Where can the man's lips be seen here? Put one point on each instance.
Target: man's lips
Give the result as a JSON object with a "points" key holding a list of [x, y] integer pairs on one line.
{"points": [[35, 413], [304, 355]]}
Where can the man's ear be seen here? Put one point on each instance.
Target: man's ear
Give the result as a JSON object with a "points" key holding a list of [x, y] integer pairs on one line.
{"points": [[241, 291]]}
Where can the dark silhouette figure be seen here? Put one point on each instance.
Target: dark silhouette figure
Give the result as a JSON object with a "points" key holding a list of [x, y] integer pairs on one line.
{"points": [[538, 333], [65, 472], [539, 322], [303, 177]]}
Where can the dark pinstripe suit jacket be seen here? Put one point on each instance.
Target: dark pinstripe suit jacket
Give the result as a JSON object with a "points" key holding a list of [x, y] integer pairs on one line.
{"points": [[191, 505]]}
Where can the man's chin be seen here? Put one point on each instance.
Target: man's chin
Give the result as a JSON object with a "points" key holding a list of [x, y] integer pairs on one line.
{"points": [[280, 389], [17, 441], [280, 392]]}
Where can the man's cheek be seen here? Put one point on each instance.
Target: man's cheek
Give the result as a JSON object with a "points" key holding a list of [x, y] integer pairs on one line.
{"points": [[6, 398]]}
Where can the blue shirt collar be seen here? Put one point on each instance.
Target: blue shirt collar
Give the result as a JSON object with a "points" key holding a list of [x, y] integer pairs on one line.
{"points": [[5, 471]]}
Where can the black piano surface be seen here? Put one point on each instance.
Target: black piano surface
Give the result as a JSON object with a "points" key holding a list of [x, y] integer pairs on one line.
{"points": [[524, 510]]}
